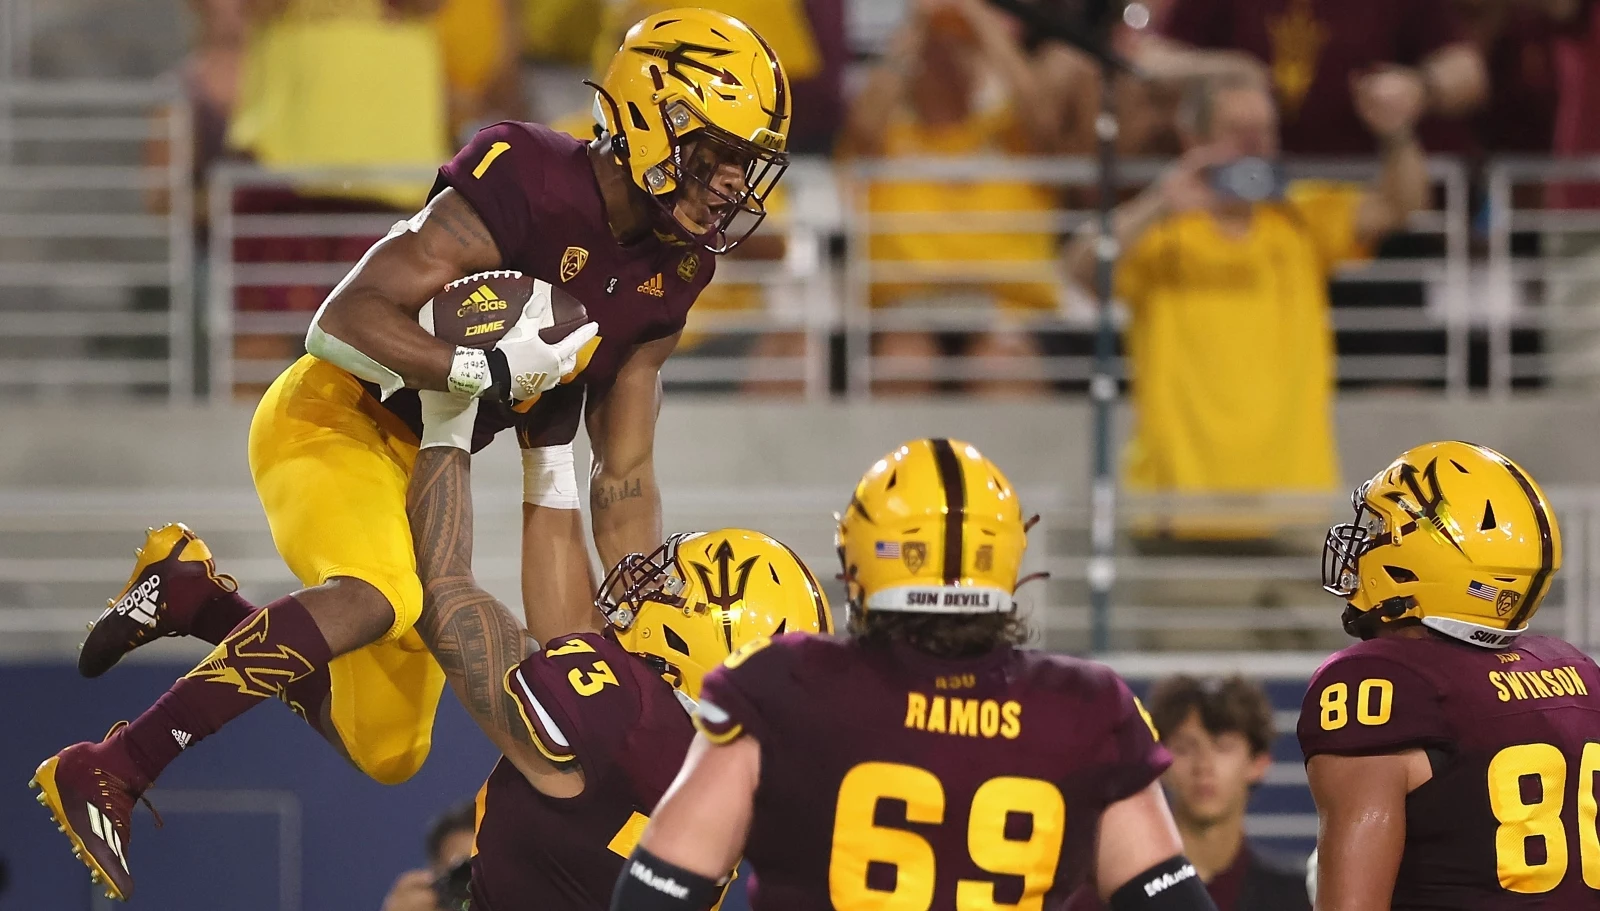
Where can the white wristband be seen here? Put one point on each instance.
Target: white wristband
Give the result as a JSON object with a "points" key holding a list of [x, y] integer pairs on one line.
{"points": [[549, 477], [469, 372], [447, 419]]}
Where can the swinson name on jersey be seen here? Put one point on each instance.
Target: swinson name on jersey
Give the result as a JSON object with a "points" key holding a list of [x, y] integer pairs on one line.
{"points": [[1541, 684], [937, 598], [140, 604], [1167, 880], [965, 717]]}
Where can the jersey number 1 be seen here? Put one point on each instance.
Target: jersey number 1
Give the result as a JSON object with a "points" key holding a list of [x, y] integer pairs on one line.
{"points": [[495, 151], [858, 841], [1521, 821]]}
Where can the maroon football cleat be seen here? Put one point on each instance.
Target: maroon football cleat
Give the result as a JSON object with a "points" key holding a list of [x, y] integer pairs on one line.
{"points": [[85, 787], [173, 578]]}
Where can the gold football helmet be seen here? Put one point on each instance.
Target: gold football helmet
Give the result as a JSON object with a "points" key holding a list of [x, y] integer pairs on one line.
{"points": [[697, 75], [700, 596], [1453, 535], [932, 527]]}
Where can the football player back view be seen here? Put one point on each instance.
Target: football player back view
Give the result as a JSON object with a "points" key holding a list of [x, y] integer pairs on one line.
{"points": [[1454, 757], [925, 760]]}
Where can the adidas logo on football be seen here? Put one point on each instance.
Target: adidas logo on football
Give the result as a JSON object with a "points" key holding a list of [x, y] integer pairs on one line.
{"points": [[653, 286], [183, 738], [482, 300], [140, 602]]}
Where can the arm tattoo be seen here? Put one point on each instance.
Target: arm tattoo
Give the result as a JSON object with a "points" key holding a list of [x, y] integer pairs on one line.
{"points": [[456, 218], [471, 635]]}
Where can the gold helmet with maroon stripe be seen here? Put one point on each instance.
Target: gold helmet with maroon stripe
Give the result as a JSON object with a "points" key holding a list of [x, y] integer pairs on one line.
{"points": [[933, 527], [698, 76], [1452, 535], [700, 596]]}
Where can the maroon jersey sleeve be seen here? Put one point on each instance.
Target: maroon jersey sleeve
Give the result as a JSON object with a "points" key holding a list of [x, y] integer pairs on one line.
{"points": [[1362, 703], [497, 173], [578, 698], [731, 695], [1140, 757]]}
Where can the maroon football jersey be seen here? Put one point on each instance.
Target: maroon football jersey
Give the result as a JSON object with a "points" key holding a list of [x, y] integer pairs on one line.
{"points": [[884, 770], [586, 700], [535, 191], [1508, 819]]}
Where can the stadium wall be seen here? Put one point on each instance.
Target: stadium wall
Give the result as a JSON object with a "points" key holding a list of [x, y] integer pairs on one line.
{"points": [[740, 443]]}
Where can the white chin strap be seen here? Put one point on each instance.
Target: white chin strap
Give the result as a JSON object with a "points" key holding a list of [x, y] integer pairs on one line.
{"points": [[941, 599], [1476, 634]]}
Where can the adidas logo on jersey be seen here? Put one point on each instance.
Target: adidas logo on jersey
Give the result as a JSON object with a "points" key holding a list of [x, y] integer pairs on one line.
{"points": [[653, 286], [183, 738], [659, 883], [482, 300], [140, 603]]}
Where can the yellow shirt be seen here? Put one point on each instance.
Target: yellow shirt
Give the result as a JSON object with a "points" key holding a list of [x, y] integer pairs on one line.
{"points": [[1231, 349], [333, 83], [993, 132], [469, 37], [781, 23]]}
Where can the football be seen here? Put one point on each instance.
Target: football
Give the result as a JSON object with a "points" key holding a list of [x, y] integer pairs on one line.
{"points": [[478, 311]]}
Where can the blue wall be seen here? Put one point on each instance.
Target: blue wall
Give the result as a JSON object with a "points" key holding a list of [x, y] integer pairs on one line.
{"points": [[357, 835]]}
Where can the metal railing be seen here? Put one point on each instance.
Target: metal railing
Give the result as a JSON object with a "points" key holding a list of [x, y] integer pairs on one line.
{"points": [[789, 287], [806, 295], [971, 312], [67, 551], [1552, 289], [96, 242]]}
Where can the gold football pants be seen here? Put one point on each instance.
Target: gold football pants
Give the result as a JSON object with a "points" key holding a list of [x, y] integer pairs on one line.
{"points": [[331, 467]]}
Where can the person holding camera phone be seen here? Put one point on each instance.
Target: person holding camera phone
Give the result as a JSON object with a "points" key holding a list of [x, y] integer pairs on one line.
{"points": [[442, 886], [1224, 269]]}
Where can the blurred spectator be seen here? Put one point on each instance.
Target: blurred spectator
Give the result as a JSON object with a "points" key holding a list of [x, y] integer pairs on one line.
{"points": [[1578, 75], [440, 887], [1229, 342], [335, 84], [1322, 54], [483, 74], [784, 26], [210, 78], [1517, 39], [955, 83], [1146, 108], [1220, 734], [807, 35], [560, 31]]}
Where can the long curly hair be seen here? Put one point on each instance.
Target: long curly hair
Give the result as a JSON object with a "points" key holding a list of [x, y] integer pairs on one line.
{"points": [[940, 635]]}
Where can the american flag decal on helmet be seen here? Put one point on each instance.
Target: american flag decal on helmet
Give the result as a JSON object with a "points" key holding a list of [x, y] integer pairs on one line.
{"points": [[887, 550], [1479, 590]]}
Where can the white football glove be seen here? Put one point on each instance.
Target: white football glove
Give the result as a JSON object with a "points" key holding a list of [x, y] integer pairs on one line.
{"points": [[523, 365], [447, 419]]}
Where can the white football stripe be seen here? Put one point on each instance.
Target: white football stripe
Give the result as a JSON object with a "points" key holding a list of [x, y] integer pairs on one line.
{"points": [[545, 721]]}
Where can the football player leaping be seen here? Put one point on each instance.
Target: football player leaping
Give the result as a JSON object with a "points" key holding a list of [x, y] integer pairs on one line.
{"points": [[594, 725], [926, 761], [695, 112], [1453, 755]]}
